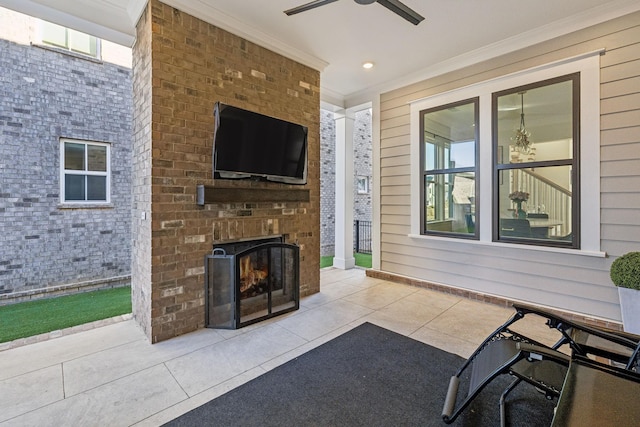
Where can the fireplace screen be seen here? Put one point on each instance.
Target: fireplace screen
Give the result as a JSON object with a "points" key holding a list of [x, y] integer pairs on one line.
{"points": [[246, 283]]}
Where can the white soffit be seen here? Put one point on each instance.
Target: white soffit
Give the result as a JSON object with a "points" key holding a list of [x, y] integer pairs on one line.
{"points": [[113, 20]]}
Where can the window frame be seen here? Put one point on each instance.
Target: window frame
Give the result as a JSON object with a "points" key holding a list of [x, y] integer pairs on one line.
{"points": [[364, 188], [475, 101], [574, 163], [67, 48], [588, 64], [64, 172]]}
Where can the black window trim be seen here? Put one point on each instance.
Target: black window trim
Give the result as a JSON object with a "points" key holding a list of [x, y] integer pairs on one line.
{"points": [[423, 171], [574, 163]]}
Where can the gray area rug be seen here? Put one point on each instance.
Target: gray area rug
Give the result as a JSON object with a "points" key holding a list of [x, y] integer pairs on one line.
{"points": [[369, 376]]}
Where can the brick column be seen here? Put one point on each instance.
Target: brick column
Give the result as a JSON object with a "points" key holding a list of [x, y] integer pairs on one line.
{"points": [[182, 66], [141, 176]]}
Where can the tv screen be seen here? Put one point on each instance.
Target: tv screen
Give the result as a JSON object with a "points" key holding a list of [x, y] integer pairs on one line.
{"points": [[252, 145]]}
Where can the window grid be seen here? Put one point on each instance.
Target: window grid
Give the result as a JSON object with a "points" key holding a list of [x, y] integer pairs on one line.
{"points": [[448, 192], [89, 184], [68, 39], [535, 224]]}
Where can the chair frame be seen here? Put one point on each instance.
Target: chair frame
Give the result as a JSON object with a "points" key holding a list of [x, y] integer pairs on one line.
{"points": [[621, 347], [523, 348]]}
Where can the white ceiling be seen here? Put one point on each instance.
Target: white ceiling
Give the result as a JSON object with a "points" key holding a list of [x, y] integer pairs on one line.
{"points": [[337, 38]]}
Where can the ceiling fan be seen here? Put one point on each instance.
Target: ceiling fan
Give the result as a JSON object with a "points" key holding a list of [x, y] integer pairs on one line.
{"points": [[395, 6]]}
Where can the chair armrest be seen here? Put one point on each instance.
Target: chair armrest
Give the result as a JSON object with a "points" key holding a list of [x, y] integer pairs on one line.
{"points": [[450, 400]]}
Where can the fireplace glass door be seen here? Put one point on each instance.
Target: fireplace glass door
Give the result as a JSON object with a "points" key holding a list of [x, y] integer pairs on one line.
{"points": [[253, 284], [267, 275]]}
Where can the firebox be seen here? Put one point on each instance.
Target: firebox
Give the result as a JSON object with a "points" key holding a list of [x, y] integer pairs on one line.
{"points": [[250, 281]]}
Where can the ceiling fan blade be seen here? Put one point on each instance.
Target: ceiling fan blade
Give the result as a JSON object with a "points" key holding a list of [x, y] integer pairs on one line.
{"points": [[308, 6], [403, 10]]}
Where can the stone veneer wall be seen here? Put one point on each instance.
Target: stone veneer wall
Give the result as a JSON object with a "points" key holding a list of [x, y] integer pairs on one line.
{"points": [[193, 64]]}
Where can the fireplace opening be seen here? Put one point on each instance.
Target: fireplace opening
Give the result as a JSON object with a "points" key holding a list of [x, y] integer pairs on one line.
{"points": [[249, 281]]}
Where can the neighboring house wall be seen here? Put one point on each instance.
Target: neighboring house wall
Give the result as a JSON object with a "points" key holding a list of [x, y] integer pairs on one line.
{"points": [[363, 165], [24, 29], [45, 95], [327, 183], [564, 280]]}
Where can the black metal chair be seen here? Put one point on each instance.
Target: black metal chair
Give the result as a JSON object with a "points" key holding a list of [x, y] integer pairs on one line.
{"points": [[545, 367], [507, 352], [616, 390]]}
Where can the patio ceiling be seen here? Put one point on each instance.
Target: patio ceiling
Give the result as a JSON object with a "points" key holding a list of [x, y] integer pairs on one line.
{"points": [[338, 37]]}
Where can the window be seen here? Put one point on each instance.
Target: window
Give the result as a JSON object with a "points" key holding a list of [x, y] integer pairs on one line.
{"points": [[563, 159], [449, 137], [362, 184], [535, 131], [68, 39], [85, 172]]}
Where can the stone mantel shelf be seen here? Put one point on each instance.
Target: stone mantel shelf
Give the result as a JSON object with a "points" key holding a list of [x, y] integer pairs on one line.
{"points": [[207, 194]]}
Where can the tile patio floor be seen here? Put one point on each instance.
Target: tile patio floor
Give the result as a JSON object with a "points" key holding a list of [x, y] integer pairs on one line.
{"points": [[112, 376]]}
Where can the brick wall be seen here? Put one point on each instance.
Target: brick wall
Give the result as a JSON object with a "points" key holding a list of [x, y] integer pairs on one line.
{"points": [[327, 183], [141, 176], [45, 246], [362, 164], [194, 64]]}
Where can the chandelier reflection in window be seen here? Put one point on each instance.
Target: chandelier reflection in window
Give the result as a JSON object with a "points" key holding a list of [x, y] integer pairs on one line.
{"points": [[521, 138]]}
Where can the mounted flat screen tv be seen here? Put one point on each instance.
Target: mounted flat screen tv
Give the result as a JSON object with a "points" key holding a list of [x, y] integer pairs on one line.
{"points": [[252, 145]]}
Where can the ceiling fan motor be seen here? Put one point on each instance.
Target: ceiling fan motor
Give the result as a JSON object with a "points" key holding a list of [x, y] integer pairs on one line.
{"points": [[395, 6]]}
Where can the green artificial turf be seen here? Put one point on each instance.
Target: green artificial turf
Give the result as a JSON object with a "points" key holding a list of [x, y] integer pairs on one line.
{"points": [[326, 261], [30, 318], [362, 260]]}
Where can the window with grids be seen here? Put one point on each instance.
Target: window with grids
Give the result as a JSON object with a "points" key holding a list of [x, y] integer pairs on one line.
{"points": [[68, 39], [537, 139], [85, 171], [449, 136]]}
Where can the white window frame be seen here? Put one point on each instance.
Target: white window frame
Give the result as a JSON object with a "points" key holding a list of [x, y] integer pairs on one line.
{"points": [[64, 172], [66, 48], [362, 184], [588, 65]]}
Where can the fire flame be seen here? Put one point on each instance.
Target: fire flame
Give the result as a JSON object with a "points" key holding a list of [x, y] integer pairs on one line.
{"points": [[250, 276]]}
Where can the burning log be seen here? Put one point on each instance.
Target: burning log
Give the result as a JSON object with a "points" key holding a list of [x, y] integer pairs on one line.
{"points": [[250, 276]]}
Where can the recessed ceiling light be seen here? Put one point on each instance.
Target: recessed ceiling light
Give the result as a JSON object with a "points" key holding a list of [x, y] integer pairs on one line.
{"points": [[367, 65]]}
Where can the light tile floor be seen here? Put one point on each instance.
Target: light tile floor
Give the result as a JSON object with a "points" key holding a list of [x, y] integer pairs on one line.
{"points": [[112, 376]]}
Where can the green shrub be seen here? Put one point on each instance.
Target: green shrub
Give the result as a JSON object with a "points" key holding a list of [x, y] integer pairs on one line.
{"points": [[625, 271]]}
